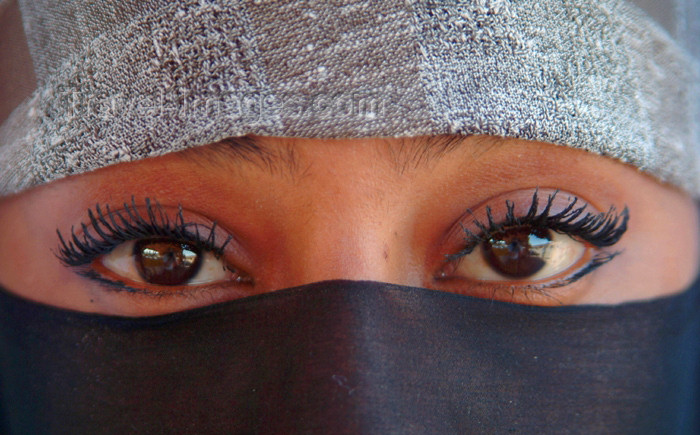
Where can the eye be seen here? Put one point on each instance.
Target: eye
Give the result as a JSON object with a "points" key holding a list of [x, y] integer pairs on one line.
{"points": [[522, 253], [154, 250], [165, 262], [518, 249]]}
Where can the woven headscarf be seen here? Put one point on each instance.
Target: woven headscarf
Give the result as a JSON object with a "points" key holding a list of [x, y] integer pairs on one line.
{"points": [[124, 80]]}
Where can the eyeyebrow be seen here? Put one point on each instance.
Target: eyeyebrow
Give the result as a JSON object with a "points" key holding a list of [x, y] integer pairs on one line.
{"points": [[410, 153], [598, 229], [110, 228]]}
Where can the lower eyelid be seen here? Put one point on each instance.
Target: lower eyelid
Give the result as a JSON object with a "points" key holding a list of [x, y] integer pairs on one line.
{"points": [[121, 286], [108, 282], [545, 293]]}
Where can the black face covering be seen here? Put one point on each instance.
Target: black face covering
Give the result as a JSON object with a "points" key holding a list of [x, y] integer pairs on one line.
{"points": [[354, 357]]}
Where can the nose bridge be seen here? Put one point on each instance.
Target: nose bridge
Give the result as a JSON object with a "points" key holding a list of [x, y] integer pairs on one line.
{"points": [[357, 236], [345, 245]]}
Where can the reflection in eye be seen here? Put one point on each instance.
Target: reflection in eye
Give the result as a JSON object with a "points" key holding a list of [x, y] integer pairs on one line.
{"points": [[522, 253], [165, 262], [533, 246], [143, 245]]}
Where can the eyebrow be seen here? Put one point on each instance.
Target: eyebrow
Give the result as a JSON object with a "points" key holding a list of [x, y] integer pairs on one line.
{"points": [[414, 152], [246, 150], [408, 154]]}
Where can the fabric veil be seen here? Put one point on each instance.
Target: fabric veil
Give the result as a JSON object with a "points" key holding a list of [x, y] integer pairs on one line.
{"points": [[349, 357]]}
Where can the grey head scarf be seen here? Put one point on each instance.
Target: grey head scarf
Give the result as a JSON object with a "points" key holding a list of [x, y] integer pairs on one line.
{"points": [[122, 81]]}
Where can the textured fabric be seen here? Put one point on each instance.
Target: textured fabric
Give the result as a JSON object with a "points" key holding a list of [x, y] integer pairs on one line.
{"points": [[347, 357], [681, 18], [122, 81], [16, 79]]}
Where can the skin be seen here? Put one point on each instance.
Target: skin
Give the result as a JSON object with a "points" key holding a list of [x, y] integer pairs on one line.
{"points": [[361, 209]]}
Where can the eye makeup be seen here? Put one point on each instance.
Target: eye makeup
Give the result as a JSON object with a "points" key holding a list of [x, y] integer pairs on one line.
{"points": [[149, 250], [109, 228], [596, 228], [522, 244], [516, 231]]}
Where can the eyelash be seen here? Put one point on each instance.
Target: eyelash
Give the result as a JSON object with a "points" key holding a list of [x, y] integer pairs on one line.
{"points": [[598, 229], [108, 229]]}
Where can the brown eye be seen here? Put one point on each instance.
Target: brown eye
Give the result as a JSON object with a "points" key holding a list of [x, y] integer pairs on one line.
{"points": [[166, 262], [517, 252], [521, 253]]}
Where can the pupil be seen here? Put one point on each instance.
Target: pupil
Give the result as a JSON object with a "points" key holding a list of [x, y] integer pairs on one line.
{"points": [[166, 262], [517, 252]]}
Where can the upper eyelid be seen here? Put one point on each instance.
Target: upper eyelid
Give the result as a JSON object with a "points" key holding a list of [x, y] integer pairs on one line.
{"points": [[600, 229], [112, 227]]}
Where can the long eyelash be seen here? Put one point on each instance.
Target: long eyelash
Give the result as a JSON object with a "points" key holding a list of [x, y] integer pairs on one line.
{"points": [[598, 229], [108, 228]]}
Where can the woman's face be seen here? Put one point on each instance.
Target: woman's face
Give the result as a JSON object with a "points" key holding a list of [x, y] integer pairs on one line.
{"points": [[294, 211]]}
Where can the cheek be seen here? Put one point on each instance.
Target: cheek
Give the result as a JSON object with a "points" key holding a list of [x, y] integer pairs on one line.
{"points": [[14, 240], [27, 261], [669, 241], [23, 233]]}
